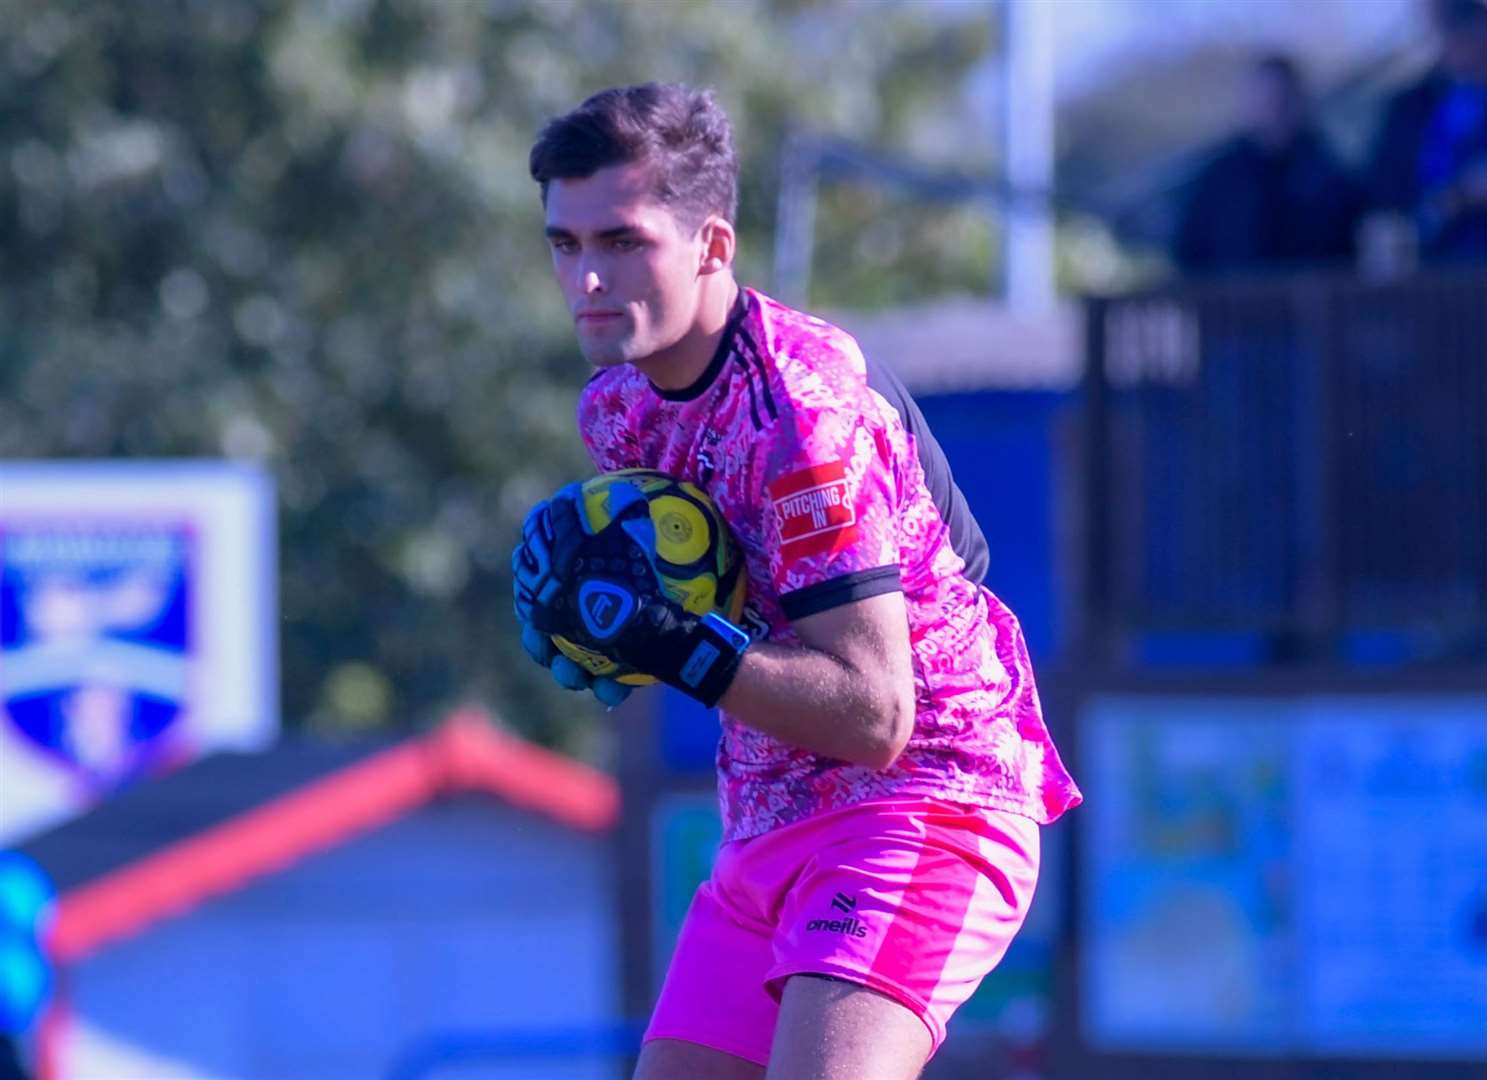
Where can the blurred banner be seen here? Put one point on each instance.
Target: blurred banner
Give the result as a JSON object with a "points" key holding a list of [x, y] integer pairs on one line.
{"points": [[138, 626], [1286, 876]]}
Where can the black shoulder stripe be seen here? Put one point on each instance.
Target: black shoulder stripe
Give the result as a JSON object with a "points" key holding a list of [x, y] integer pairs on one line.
{"points": [[825, 595], [749, 382], [745, 338]]}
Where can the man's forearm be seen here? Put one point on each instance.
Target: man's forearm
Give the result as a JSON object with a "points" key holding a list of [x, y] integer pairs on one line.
{"points": [[818, 702]]}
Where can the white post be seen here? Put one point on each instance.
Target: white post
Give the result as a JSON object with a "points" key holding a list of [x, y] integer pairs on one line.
{"points": [[1028, 134], [795, 221]]}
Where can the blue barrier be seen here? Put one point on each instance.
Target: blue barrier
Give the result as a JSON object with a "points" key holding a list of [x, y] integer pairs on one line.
{"points": [[457, 1049]]}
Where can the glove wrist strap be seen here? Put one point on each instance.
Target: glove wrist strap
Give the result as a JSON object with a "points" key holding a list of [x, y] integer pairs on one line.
{"points": [[714, 651]]}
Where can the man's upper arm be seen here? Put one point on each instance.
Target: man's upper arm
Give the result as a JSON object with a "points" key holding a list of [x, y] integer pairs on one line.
{"points": [[871, 637]]}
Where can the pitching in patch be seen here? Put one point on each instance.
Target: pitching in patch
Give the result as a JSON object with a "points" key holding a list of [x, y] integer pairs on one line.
{"points": [[813, 510]]}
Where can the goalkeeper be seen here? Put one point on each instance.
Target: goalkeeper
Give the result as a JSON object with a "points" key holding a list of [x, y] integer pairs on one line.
{"points": [[884, 765]]}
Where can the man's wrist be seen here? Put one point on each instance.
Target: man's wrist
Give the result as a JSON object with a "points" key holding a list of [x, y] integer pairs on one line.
{"points": [[714, 649]]}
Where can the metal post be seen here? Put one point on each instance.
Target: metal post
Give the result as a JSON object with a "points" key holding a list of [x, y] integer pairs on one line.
{"points": [[1098, 611], [795, 219], [1027, 131]]}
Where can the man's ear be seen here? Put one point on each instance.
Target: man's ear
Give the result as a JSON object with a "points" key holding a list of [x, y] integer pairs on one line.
{"points": [[719, 242]]}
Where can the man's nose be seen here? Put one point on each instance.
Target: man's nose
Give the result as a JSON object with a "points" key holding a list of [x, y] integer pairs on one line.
{"points": [[591, 283]]}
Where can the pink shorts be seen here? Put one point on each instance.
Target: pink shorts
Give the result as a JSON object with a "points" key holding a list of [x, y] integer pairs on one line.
{"points": [[915, 898]]}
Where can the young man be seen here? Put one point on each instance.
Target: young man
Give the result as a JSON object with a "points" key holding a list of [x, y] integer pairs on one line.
{"points": [[884, 764]]}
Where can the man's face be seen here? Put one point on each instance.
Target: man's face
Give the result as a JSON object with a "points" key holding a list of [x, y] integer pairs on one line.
{"points": [[628, 270]]}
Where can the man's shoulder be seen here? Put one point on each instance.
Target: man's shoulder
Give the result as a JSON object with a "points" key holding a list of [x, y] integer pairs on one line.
{"points": [[793, 334], [812, 361]]}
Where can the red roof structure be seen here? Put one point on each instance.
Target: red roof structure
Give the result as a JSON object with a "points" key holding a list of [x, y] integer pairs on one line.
{"points": [[465, 754]]}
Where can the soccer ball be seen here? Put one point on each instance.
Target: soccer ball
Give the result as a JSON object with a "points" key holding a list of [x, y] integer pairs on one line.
{"points": [[700, 565]]}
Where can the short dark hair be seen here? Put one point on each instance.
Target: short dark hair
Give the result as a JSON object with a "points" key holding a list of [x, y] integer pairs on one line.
{"points": [[680, 133]]}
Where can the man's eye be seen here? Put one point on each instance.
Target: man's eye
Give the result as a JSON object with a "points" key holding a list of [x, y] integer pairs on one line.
{"points": [[626, 245], [565, 247]]}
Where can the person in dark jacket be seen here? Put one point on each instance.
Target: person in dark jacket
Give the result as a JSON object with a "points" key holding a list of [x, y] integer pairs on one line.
{"points": [[1275, 195], [1430, 160]]}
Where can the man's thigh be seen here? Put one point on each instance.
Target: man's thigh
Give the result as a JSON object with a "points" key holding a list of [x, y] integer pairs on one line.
{"points": [[834, 1030], [714, 995], [673, 1059]]}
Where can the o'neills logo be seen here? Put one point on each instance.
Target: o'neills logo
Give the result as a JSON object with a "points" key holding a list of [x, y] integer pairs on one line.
{"points": [[814, 511], [850, 925], [853, 927]]}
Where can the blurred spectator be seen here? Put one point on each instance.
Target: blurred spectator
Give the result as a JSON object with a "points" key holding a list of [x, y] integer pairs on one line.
{"points": [[1274, 195], [1430, 161]]}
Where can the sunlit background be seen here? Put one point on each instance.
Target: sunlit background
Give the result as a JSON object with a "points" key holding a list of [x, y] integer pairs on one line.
{"points": [[1192, 292]]}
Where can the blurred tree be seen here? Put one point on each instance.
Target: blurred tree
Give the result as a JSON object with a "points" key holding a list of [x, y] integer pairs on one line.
{"points": [[303, 233]]}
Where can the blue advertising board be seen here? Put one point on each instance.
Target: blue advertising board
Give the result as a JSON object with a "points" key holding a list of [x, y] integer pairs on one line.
{"points": [[1273, 877], [137, 626]]}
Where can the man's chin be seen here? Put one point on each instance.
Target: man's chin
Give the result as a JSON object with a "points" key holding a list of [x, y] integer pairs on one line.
{"points": [[607, 357], [605, 360]]}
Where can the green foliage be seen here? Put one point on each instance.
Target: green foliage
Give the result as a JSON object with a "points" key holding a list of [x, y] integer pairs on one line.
{"points": [[303, 233]]}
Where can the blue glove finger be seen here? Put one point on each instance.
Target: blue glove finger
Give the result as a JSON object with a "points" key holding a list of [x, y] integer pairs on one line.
{"points": [[631, 510], [570, 525], [569, 675], [529, 562], [610, 691], [629, 507], [535, 552], [572, 492], [563, 523], [534, 529], [643, 531], [535, 524], [524, 582], [567, 522], [621, 496], [538, 645]]}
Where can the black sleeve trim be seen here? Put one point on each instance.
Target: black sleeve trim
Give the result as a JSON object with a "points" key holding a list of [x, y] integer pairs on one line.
{"points": [[825, 595]]}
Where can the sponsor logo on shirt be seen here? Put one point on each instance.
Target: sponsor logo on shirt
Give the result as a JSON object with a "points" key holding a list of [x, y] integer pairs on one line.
{"points": [[814, 511]]}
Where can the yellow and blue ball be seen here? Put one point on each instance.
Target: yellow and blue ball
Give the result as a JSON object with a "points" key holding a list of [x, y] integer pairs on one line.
{"points": [[700, 566]]}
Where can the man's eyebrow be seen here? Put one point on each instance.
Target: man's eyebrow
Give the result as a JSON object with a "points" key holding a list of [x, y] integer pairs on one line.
{"points": [[557, 232]]}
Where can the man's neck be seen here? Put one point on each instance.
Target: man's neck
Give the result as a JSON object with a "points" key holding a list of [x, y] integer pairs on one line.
{"points": [[681, 365]]}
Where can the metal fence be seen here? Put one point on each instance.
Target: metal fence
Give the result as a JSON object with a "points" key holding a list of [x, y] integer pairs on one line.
{"points": [[1301, 458]]}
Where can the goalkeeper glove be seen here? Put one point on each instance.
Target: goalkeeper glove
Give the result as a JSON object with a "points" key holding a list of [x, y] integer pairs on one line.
{"points": [[531, 565], [602, 590]]}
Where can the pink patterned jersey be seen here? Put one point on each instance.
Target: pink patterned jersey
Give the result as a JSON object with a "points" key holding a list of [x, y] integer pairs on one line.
{"points": [[835, 491]]}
